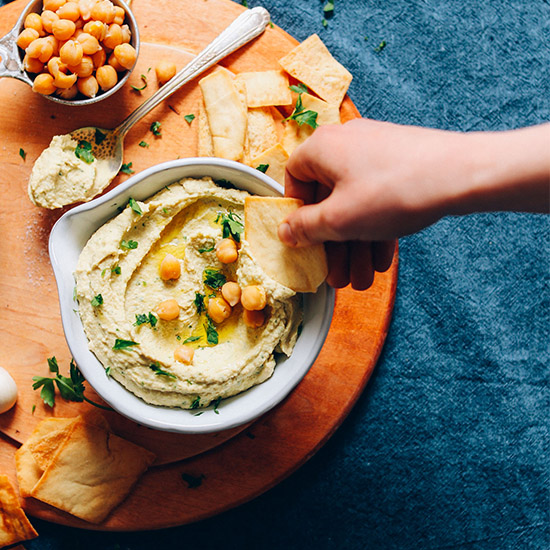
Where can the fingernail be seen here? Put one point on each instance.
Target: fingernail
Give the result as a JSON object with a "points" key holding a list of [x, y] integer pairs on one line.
{"points": [[285, 234]]}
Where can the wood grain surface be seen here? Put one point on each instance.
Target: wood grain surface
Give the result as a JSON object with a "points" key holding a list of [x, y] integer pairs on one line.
{"points": [[235, 465]]}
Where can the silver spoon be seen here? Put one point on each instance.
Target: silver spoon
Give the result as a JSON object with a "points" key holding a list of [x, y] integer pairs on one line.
{"points": [[109, 152]]}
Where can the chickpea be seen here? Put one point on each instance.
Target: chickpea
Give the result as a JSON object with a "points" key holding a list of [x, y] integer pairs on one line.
{"points": [[67, 93], [119, 15], [126, 55], [71, 52], [34, 21], [40, 48], [231, 293], [168, 310], [96, 29], [88, 86], [170, 267], [218, 309], [89, 43], [184, 354], [32, 64], [253, 297], [226, 251], [113, 36], [52, 5], [62, 80], [103, 11], [43, 84], [126, 34], [63, 29], [85, 8], [54, 42], [165, 70], [26, 37], [85, 68], [55, 65], [99, 58], [48, 18], [69, 10], [113, 61], [253, 319]]}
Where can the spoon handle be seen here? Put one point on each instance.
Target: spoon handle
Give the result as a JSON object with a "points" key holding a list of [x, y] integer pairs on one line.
{"points": [[247, 26]]}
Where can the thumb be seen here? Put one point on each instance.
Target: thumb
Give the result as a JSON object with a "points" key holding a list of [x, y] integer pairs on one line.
{"points": [[306, 226]]}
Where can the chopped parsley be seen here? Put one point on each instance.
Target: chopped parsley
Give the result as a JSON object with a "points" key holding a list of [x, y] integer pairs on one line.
{"points": [[192, 481], [214, 278], [380, 46], [156, 367], [117, 270], [324, 22], [127, 168], [301, 116], [128, 245], [123, 344], [262, 167], [231, 224], [133, 204], [206, 249], [144, 80], [99, 136], [199, 302], [211, 332], [244, 3], [189, 118], [155, 128], [71, 388], [97, 300], [299, 88], [328, 8], [196, 402], [216, 404], [108, 371], [144, 318], [84, 151], [143, 144], [191, 339], [22, 153]]}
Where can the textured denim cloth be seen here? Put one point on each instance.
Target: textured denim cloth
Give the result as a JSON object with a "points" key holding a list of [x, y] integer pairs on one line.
{"points": [[448, 446]]}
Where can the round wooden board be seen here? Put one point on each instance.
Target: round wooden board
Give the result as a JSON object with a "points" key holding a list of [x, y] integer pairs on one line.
{"points": [[251, 459]]}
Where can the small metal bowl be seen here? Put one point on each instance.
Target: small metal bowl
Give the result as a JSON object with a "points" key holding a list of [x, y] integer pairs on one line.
{"points": [[11, 62]]}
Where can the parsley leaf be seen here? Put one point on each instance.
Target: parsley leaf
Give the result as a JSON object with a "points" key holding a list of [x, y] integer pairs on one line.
{"points": [[144, 79], [156, 367], [84, 151], [117, 270], [191, 339], [262, 167], [214, 278], [99, 136], [144, 318], [127, 168], [22, 153], [199, 302], [70, 388], [196, 402], [189, 118], [155, 128], [231, 224], [211, 332], [216, 404], [328, 8], [380, 46], [143, 144], [97, 300], [128, 245], [123, 344], [206, 249], [300, 116], [299, 88], [133, 204]]}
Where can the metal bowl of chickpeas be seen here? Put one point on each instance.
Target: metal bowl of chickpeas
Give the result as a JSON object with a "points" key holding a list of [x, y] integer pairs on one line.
{"points": [[74, 52]]}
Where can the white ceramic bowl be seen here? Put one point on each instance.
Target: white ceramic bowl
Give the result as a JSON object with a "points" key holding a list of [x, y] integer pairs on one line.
{"points": [[67, 239]]}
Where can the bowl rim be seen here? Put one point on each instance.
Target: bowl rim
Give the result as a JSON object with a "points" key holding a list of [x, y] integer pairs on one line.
{"points": [[32, 7], [83, 357]]}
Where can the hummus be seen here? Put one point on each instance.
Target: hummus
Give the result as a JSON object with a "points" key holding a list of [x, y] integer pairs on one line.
{"points": [[59, 177], [119, 286]]}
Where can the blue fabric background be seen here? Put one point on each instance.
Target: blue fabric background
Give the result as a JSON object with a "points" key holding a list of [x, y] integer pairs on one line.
{"points": [[448, 446]]}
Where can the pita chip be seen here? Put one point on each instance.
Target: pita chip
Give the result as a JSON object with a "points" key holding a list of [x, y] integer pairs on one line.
{"points": [[265, 88], [14, 524], [300, 269], [311, 63], [275, 158]]}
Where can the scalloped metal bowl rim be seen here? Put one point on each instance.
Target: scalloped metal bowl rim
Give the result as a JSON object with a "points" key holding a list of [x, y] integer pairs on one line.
{"points": [[132, 23], [64, 247]]}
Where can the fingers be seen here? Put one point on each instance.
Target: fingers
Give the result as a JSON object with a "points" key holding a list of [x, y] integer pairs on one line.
{"points": [[382, 255], [361, 268], [338, 264]]}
